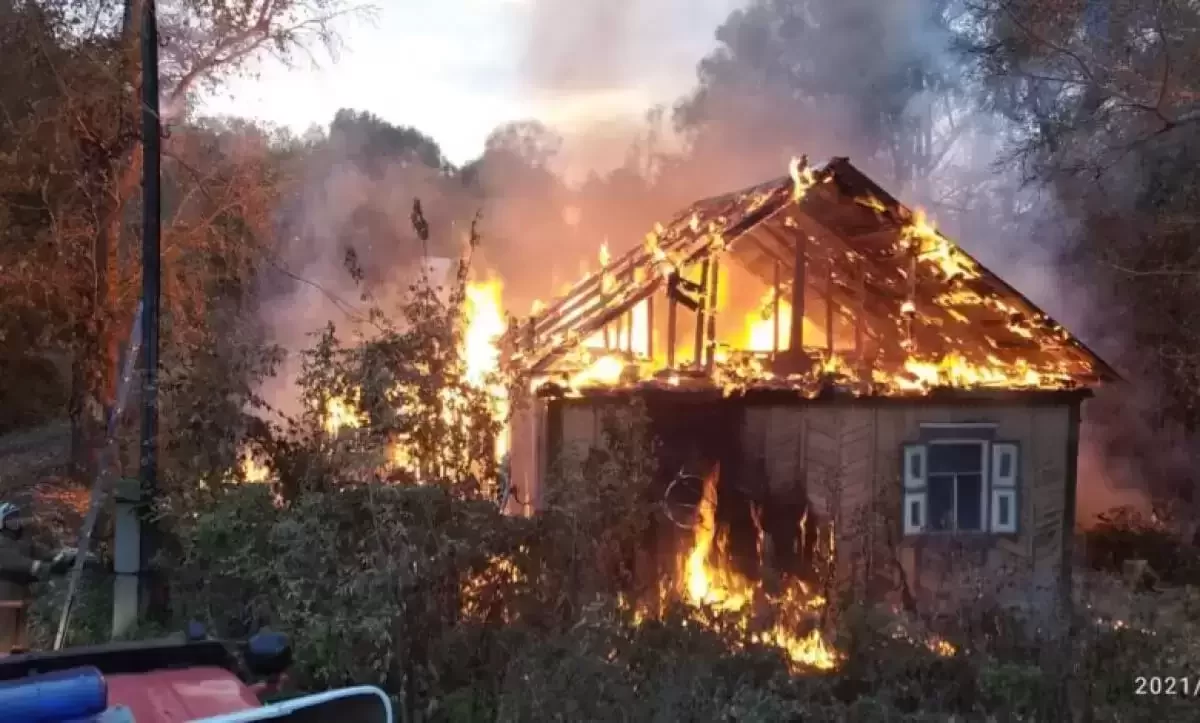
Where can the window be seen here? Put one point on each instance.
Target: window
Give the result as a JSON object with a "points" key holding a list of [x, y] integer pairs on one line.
{"points": [[959, 481]]}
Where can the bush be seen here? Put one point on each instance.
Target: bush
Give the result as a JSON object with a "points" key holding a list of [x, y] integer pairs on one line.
{"points": [[1124, 534], [464, 614]]}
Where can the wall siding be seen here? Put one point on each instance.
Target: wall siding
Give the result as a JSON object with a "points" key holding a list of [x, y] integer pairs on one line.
{"points": [[527, 456], [847, 459]]}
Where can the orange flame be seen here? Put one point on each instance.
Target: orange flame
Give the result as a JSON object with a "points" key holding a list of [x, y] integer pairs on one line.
{"points": [[931, 245], [705, 578]]}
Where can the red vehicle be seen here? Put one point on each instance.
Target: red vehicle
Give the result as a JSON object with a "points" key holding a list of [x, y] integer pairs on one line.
{"points": [[170, 681]]}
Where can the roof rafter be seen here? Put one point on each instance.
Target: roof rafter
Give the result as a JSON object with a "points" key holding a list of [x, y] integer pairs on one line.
{"points": [[853, 223]]}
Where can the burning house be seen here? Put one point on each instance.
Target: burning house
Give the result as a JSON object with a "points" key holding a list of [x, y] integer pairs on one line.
{"points": [[877, 384]]}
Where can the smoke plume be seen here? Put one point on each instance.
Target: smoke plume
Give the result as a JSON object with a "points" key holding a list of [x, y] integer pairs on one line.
{"points": [[595, 69]]}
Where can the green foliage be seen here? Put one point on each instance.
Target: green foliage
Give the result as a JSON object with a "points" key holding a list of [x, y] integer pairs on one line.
{"points": [[466, 614]]}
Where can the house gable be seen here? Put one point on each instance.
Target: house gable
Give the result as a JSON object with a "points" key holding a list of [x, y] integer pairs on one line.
{"points": [[914, 297]]}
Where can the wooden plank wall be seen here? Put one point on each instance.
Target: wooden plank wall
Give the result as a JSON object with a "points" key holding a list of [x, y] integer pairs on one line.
{"points": [[847, 459], [527, 456]]}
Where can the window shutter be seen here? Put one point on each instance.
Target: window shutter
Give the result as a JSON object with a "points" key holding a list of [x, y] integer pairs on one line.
{"points": [[914, 513], [914, 489], [914, 466], [1005, 465], [1004, 510]]}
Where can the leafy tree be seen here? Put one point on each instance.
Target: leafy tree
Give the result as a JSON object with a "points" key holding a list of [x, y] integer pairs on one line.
{"points": [[73, 161], [1105, 99], [371, 142], [795, 72]]}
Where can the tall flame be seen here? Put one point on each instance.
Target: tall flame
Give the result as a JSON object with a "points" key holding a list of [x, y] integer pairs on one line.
{"points": [[707, 578], [485, 324]]}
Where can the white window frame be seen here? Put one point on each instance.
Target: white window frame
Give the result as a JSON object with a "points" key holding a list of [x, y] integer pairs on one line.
{"points": [[995, 486]]}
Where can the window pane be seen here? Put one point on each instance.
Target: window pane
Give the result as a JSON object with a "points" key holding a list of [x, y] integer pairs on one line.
{"points": [[914, 513], [950, 458], [970, 495], [914, 464], [941, 503], [1006, 460], [1003, 501]]}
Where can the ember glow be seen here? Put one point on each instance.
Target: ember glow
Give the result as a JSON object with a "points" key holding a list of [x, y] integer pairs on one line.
{"points": [[923, 238], [253, 470]]}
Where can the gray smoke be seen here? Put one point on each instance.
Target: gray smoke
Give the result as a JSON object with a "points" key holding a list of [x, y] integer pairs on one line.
{"points": [[592, 68]]}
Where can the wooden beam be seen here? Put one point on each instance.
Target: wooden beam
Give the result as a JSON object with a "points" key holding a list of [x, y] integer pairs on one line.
{"points": [[698, 347], [710, 341], [860, 321], [650, 327], [776, 286], [829, 310], [672, 313], [798, 276], [593, 324], [627, 319]]}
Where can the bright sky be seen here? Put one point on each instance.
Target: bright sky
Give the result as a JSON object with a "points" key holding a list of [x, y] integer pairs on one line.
{"points": [[455, 69]]}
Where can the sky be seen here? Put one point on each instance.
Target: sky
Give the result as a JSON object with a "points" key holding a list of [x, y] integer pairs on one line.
{"points": [[455, 69]]}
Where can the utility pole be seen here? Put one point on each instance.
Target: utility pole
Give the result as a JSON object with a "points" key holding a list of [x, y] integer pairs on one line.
{"points": [[151, 292], [136, 537]]}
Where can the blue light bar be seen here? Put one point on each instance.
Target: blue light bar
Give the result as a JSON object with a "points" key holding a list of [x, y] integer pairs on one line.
{"points": [[54, 697]]}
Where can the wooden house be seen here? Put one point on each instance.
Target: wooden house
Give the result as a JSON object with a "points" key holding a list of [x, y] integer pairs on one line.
{"points": [[922, 406]]}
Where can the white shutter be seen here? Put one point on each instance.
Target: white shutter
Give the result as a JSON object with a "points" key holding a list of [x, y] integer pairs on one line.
{"points": [[1004, 464], [914, 466], [914, 513], [1004, 510]]}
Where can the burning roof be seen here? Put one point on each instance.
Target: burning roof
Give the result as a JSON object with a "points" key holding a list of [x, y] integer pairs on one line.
{"points": [[901, 307]]}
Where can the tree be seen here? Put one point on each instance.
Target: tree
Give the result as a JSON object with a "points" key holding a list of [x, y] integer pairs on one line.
{"points": [[75, 163], [368, 141], [1105, 102], [792, 77], [527, 144]]}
